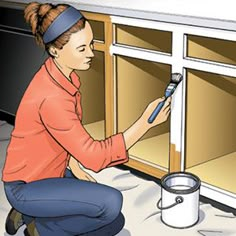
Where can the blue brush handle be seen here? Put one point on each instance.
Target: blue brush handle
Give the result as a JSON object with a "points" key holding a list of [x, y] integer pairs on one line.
{"points": [[155, 112]]}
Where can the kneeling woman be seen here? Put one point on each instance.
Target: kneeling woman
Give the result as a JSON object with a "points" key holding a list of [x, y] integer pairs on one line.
{"points": [[49, 136]]}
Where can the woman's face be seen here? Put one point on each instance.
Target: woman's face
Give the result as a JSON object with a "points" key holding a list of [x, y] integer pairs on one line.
{"points": [[77, 54]]}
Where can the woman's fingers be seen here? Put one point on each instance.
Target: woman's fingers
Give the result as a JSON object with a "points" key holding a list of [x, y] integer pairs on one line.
{"points": [[90, 178], [167, 104], [167, 113], [157, 101]]}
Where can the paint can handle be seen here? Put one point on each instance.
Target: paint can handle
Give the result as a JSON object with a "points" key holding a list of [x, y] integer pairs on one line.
{"points": [[178, 200]]}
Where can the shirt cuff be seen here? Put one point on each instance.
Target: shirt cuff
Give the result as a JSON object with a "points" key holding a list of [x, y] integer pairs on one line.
{"points": [[120, 155]]}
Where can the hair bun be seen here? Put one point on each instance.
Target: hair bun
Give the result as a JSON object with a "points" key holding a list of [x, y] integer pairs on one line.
{"points": [[44, 9], [34, 13]]}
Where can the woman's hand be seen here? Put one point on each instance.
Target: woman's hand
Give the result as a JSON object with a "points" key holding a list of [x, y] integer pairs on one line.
{"points": [[141, 126], [162, 115], [78, 171], [83, 175]]}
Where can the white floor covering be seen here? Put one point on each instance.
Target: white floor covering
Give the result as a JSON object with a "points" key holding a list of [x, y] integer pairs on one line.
{"points": [[139, 206]]}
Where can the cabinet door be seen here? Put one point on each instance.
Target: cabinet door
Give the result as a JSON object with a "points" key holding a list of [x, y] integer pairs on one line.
{"points": [[20, 59]]}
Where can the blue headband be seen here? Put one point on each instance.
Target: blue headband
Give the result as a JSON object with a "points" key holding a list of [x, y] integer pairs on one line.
{"points": [[61, 24]]}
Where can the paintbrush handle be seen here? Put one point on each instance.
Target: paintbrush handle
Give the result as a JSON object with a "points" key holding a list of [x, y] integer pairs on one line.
{"points": [[156, 112]]}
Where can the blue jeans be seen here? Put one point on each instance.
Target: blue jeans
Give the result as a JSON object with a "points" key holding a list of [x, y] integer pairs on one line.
{"points": [[67, 206]]}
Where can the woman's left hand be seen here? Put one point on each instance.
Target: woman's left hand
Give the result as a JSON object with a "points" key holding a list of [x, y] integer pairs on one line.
{"points": [[78, 171], [83, 175]]}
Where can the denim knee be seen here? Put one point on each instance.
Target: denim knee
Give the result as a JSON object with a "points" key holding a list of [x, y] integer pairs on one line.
{"points": [[112, 205]]}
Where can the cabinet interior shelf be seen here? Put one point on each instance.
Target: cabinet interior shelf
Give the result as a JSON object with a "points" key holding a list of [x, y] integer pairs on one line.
{"points": [[154, 150], [96, 129], [209, 171]]}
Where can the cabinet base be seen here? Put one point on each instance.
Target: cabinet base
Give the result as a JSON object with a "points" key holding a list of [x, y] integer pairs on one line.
{"points": [[157, 180], [145, 168], [218, 205]]}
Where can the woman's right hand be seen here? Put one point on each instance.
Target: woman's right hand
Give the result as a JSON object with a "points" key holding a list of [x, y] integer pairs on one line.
{"points": [[141, 125], [162, 115]]}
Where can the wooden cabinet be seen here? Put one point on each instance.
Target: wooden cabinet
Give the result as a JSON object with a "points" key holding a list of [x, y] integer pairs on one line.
{"points": [[133, 63], [210, 149], [200, 135]]}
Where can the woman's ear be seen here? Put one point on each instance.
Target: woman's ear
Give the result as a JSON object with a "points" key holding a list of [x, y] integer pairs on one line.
{"points": [[53, 51]]}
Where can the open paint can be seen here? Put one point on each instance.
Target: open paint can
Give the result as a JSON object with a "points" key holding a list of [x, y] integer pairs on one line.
{"points": [[179, 203]]}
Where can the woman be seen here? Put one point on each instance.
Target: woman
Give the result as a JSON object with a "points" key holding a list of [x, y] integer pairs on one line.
{"points": [[48, 137]]}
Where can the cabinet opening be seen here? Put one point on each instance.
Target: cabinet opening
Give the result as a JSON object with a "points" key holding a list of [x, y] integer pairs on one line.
{"points": [[211, 49], [98, 30], [138, 83], [92, 90], [211, 128], [151, 39]]}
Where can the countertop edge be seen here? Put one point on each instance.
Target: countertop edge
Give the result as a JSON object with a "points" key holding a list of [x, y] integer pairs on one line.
{"points": [[146, 15]]}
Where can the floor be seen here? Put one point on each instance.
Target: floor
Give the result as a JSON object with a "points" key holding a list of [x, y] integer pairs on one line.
{"points": [[139, 207]]}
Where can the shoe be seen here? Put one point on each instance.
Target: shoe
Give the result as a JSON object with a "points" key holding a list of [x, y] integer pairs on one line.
{"points": [[31, 230], [26, 232], [13, 222]]}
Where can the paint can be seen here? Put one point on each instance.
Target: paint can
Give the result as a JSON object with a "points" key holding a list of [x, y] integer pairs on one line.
{"points": [[179, 199]]}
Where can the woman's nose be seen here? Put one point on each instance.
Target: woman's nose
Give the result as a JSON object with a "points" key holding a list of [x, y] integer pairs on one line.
{"points": [[90, 53]]}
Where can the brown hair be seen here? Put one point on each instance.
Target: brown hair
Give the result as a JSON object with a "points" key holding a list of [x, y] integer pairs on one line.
{"points": [[40, 16]]}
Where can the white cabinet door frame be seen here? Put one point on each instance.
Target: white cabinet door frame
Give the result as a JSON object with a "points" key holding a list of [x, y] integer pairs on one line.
{"points": [[180, 62]]}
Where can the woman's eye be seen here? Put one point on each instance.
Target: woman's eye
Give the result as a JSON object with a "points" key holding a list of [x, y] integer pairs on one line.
{"points": [[82, 50]]}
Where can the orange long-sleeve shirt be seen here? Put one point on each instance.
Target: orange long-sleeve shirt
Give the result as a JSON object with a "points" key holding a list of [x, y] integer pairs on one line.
{"points": [[48, 130]]}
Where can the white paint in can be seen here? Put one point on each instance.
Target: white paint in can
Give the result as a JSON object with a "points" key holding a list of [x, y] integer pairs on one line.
{"points": [[180, 199]]}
